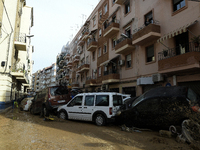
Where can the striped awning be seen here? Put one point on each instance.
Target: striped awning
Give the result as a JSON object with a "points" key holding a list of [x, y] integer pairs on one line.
{"points": [[176, 32]]}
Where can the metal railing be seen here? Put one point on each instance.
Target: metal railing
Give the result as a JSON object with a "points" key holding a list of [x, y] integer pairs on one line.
{"points": [[110, 71], [124, 38], [19, 67], [109, 23], [91, 40], [143, 26], [90, 78], [20, 37], [183, 48]]}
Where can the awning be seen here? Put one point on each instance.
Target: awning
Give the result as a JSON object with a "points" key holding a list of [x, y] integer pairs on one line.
{"points": [[93, 31], [107, 61], [176, 32]]}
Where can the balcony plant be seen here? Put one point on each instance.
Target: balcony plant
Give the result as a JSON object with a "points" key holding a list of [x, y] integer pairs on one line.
{"points": [[196, 40]]}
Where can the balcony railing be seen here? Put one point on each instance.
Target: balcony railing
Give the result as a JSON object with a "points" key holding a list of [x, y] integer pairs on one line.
{"points": [[91, 45], [20, 37], [19, 67], [183, 48], [110, 71], [143, 26], [91, 81], [109, 23], [90, 78]]}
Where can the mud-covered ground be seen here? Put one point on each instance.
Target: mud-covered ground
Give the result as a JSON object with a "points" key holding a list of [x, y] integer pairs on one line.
{"points": [[20, 130]]}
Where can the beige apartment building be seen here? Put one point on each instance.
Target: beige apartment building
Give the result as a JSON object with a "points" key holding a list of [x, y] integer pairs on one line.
{"points": [[131, 46], [44, 78], [16, 20]]}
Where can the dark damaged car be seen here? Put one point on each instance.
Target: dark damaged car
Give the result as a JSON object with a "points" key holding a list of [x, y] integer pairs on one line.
{"points": [[160, 107]]}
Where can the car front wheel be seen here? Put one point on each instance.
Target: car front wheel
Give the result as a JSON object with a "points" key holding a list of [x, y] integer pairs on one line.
{"points": [[99, 120], [63, 115]]}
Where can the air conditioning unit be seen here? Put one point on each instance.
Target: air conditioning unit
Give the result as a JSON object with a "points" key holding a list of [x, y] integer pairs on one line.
{"points": [[157, 77], [121, 62]]}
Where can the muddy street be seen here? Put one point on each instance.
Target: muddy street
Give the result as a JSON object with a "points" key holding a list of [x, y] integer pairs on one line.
{"points": [[20, 130]]}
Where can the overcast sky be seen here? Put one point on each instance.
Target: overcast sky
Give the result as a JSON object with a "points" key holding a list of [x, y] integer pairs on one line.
{"points": [[54, 24]]}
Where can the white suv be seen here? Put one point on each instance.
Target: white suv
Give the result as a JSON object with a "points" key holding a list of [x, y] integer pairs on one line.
{"points": [[100, 107]]}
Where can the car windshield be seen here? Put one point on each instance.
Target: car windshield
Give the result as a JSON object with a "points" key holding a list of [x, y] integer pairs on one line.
{"points": [[58, 91], [138, 99], [193, 97], [117, 100]]}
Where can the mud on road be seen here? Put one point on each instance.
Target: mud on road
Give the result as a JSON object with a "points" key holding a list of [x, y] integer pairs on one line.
{"points": [[20, 130]]}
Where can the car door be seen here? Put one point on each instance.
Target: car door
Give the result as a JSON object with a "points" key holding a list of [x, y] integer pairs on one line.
{"points": [[88, 107], [148, 111], [74, 108]]}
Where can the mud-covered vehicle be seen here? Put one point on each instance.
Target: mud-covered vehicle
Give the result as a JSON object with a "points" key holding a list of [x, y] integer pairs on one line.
{"points": [[49, 99], [160, 107]]}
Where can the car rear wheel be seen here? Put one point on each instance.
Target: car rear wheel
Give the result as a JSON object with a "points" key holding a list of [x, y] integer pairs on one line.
{"points": [[63, 115], [100, 120]]}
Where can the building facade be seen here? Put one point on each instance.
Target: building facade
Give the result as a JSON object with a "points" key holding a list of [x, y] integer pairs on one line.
{"points": [[44, 78], [16, 20], [131, 46]]}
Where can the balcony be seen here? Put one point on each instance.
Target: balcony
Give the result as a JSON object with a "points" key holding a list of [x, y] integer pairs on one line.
{"points": [[69, 64], [111, 28], [20, 41], [67, 56], [75, 84], [19, 73], [85, 34], [124, 45], [76, 58], [91, 81], [110, 76], [92, 45], [84, 67], [146, 34], [120, 2], [67, 76], [180, 59]]}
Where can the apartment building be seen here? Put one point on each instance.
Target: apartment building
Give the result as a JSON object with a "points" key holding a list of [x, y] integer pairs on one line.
{"points": [[16, 20], [131, 46], [44, 78]]}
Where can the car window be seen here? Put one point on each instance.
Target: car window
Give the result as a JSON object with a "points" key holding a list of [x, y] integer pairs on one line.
{"points": [[54, 91], [89, 100], [77, 101], [193, 97], [140, 98], [148, 105], [117, 100], [102, 100]]}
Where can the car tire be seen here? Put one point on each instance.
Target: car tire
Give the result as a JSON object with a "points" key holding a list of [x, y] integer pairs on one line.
{"points": [[99, 120], [63, 115]]}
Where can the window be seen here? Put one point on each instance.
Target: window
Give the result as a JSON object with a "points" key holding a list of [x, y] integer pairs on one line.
{"points": [[105, 9], [114, 1], [99, 52], [99, 32], [128, 61], [128, 32], [105, 48], [89, 100], [99, 70], [148, 18], [94, 21], [93, 55], [102, 100], [150, 53], [87, 60], [117, 100], [77, 101], [178, 4], [100, 14], [127, 7], [114, 42]]}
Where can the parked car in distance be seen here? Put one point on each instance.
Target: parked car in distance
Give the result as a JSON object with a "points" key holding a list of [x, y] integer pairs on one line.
{"points": [[26, 103], [49, 99], [160, 107], [99, 107]]}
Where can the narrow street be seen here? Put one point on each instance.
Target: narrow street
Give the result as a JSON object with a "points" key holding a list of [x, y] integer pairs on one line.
{"points": [[20, 130]]}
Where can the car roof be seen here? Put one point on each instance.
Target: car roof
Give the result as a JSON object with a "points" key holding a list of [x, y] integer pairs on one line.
{"points": [[100, 93], [175, 91]]}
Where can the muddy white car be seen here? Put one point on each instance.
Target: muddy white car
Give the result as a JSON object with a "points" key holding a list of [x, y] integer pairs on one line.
{"points": [[100, 107]]}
